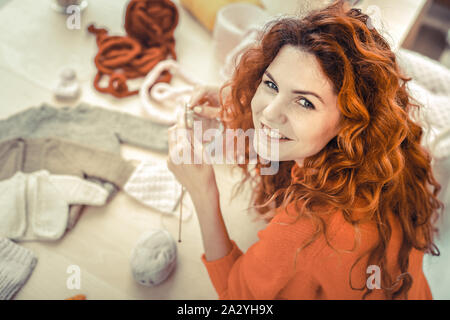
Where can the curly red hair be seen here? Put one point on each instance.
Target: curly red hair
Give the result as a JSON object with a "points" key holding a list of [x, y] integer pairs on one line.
{"points": [[375, 163]]}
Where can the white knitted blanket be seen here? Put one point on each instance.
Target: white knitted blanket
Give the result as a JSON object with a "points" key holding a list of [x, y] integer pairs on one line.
{"points": [[430, 87]]}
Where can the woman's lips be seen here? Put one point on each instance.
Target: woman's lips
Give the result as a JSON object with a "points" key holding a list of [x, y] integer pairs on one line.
{"points": [[271, 134]]}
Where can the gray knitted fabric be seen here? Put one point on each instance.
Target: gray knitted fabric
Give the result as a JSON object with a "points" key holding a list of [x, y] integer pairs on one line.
{"points": [[16, 265], [97, 127]]}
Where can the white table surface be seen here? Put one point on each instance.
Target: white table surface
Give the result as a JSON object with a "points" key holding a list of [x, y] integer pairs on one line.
{"points": [[34, 45]]}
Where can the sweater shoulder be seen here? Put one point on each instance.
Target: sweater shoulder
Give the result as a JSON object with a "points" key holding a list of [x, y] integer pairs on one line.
{"points": [[305, 233]]}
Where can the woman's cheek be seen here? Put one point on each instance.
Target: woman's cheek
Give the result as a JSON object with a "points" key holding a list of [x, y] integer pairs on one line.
{"points": [[258, 101]]}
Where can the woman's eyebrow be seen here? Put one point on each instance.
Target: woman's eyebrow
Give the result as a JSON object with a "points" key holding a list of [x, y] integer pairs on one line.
{"points": [[295, 91]]}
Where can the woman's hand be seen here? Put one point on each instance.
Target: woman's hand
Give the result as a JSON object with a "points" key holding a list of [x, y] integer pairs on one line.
{"points": [[197, 177], [205, 101]]}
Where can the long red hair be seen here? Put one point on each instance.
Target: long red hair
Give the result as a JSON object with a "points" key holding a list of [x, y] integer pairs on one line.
{"points": [[375, 164]]}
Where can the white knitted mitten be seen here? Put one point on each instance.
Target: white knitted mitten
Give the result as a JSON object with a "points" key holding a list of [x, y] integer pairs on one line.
{"points": [[155, 186], [16, 265]]}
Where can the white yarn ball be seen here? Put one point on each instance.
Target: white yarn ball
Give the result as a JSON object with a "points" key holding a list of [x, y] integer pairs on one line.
{"points": [[154, 257]]}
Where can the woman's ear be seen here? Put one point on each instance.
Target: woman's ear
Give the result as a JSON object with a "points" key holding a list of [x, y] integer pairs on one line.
{"points": [[340, 123]]}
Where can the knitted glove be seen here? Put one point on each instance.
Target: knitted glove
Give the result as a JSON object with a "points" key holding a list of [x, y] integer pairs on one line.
{"points": [[16, 265]]}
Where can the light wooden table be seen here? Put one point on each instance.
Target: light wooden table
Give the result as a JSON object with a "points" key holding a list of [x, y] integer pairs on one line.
{"points": [[34, 45]]}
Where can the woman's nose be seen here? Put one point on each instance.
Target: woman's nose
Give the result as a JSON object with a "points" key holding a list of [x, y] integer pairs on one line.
{"points": [[275, 111]]}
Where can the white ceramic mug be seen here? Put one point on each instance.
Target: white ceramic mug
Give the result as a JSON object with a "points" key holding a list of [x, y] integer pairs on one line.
{"points": [[62, 5]]}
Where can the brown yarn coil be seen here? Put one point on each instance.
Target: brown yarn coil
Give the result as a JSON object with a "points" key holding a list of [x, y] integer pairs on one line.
{"points": [[149, 25]]}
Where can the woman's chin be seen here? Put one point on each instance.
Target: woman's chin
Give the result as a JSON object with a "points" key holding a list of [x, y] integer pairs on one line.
{"points": [[268, 155]]}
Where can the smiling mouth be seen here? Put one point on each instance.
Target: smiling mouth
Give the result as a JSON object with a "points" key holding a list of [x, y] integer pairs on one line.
{"points": [[272, 134]]}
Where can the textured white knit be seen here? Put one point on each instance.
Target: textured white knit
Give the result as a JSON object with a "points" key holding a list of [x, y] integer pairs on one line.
{"points": [[427, 72], [16, 265], [434, 116], [38, 204], [154, 185], [430, 87]]}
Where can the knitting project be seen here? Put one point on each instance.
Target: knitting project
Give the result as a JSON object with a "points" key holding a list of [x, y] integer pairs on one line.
{"points": [[150, 25], [153, 185]]}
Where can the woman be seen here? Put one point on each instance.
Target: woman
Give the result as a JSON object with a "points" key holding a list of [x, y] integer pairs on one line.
{"points": [[354, 197]]}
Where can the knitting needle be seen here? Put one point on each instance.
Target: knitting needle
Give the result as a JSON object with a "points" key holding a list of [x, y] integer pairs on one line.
{"points": [[187, 124], [181, 214]]}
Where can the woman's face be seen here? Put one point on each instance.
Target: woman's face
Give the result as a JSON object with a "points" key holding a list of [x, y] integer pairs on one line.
{"points": [[296, 99]]}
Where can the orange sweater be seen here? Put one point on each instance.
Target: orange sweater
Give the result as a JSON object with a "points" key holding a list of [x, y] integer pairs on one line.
{"points": [[273, 268]]}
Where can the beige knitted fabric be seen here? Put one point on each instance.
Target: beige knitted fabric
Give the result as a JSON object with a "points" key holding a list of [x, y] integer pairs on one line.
{"points": [[35, 205], [60, 156]]}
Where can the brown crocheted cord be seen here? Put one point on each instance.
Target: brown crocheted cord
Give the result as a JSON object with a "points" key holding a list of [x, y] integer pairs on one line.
{"points": [[150, 25]]}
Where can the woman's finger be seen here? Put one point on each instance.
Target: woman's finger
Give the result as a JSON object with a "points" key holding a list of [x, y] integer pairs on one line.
{"points": [[205, 95], [199, 93], [207, 111]]}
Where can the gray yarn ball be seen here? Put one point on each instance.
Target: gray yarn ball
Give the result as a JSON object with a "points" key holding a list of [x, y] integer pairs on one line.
{"points": [[154, 257]]}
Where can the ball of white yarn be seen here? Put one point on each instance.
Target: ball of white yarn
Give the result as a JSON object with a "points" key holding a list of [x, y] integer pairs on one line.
{"points": [[154, 257]]}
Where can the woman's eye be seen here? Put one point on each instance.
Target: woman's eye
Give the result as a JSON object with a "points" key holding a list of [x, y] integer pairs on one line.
{"points": [[305, 103], [271, 85]]}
